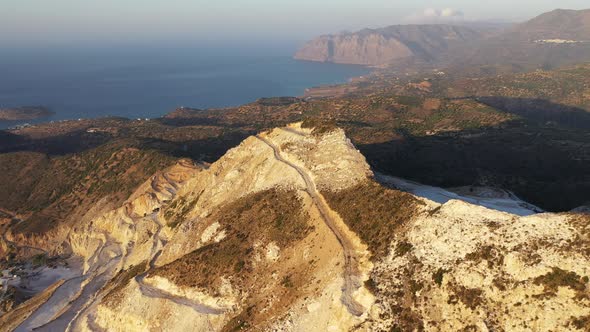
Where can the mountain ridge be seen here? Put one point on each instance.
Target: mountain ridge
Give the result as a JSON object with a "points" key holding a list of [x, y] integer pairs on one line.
{"points": [[380, 47], [290, 231], [552, 39]]}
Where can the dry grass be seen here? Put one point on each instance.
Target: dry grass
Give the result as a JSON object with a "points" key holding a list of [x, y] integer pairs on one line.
{"points": [[121, 280], [320, 126], [581, 323], [470, 297], [270, 216], [374, 212], [50, 189], [491, 255]]}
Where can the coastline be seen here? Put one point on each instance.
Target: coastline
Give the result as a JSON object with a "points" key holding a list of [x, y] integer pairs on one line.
{"points": [[289, 66]]}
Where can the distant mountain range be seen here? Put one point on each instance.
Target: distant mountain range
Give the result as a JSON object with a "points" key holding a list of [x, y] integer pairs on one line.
{"points": [[551, 39]]}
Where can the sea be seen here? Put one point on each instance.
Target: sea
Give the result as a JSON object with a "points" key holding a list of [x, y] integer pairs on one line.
{"points": [[150, 81]]}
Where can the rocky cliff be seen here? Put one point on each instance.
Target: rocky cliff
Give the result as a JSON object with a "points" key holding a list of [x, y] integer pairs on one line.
{"points": [[379, 47], [290, 231]]}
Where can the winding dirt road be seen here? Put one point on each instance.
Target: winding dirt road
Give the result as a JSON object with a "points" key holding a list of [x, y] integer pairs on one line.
{"points": [[351, 260]]}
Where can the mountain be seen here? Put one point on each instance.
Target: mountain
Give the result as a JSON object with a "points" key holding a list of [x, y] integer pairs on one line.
{"points": [[558, 24], [292, 231], [380, 47], [560, 37], [557, 38]]}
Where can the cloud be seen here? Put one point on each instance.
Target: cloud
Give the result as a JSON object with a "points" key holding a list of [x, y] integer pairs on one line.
{"points": [[431, 12], [450, 12], [435, 15]]}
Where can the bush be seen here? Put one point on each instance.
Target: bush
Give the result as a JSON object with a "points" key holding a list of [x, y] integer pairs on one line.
{"points": [[320, 126], [560, 278], [39, 260], [438, 276]]}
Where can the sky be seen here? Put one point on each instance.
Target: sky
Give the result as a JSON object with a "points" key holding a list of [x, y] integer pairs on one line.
{"points": [[33, 22]]}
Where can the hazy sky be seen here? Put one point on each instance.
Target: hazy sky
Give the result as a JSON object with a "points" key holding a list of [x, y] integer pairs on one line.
{"points": [[59, 21]]}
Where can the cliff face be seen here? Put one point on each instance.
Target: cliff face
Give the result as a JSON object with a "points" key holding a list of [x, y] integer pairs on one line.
{"points": [[381, 47], [372, 50]]}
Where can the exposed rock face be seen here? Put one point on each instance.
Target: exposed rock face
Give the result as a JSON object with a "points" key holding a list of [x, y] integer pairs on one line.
{"points": [[374, 49], [384, 46], [464, 267], [251, 243]]}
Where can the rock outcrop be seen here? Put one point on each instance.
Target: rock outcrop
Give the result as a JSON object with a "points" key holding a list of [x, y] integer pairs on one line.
{"points": [[465, 267]]}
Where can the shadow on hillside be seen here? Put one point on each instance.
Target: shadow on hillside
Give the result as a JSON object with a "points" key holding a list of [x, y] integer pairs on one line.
{"points": [[548, 167], [541, 111], [194, 121], [202, 150], [207, 149], [9, 139], [71, 142], [161, 136]]}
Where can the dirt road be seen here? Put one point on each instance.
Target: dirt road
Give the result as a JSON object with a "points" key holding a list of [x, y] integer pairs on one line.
{"points": [[351, 268]]}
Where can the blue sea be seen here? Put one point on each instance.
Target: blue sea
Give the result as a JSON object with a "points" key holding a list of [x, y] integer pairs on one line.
{"points": [[150, 81]]}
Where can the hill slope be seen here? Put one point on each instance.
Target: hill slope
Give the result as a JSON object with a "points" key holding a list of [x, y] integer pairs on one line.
{"points": [[557, 24], [560, 37], [289, 231]]}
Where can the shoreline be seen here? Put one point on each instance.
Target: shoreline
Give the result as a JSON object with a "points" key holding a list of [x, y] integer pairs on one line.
{"points": [[315, 91]]}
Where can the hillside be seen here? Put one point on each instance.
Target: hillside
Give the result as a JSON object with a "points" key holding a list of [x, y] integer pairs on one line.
{"points": [[380, 47], [558, 24], [568, 86], [431, 131], [553, 39], [291, 231]]}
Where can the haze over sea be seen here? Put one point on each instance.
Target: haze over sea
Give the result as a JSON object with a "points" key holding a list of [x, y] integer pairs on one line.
{"points": [[150, 81]]}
